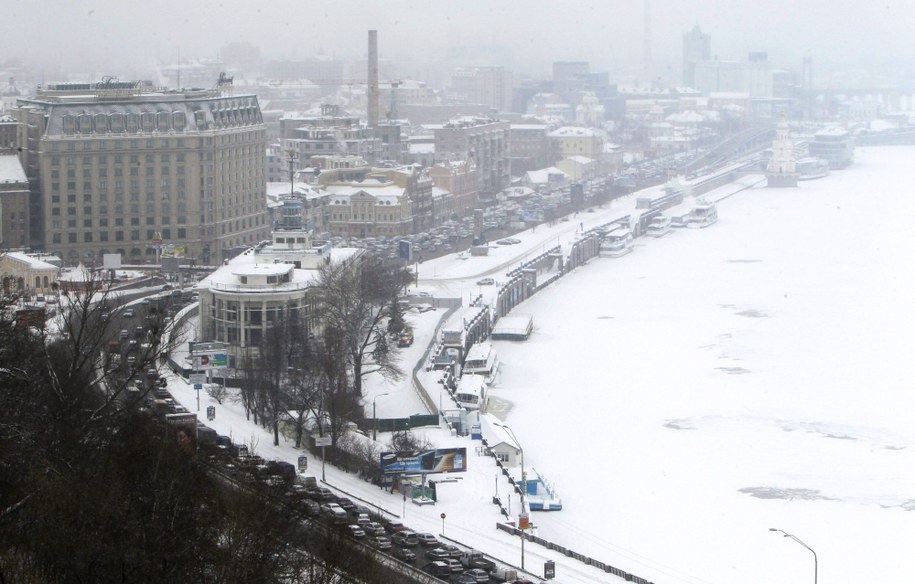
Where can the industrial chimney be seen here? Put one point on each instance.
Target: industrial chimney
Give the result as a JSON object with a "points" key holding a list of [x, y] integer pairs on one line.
{"points": [[372, 96]]}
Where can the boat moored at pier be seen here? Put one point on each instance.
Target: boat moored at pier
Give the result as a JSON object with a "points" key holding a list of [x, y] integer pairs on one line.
{"points": [[702, 214], [659, 226], [616, 242]]}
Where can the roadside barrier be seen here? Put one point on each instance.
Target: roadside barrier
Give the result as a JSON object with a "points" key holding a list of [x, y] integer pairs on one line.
{"points": [[587, 560]]}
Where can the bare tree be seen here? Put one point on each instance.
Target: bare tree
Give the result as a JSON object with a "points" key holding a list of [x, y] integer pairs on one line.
{"points": [[217, 391], [355, 305], [250, 381]]}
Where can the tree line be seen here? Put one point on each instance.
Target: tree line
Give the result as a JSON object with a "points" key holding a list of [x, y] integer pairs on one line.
{"points": [[92, 488]]}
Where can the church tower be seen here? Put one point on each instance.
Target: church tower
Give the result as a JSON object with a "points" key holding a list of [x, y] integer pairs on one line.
{"points": [[782, 168]]}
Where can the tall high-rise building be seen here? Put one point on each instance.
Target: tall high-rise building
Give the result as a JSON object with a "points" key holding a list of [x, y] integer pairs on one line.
{"points": [[490, 86], [119, 167], [568, 79], [697, 46]]}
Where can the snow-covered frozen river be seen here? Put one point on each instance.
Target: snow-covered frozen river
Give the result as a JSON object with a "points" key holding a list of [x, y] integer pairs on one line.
{"points": [[719, 382]]}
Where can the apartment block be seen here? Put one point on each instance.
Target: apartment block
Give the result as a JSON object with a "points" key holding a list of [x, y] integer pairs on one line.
{"points": [[483, 141]]}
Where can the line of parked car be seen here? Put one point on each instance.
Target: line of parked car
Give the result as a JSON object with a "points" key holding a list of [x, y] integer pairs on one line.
{"points": [[387, 534]]}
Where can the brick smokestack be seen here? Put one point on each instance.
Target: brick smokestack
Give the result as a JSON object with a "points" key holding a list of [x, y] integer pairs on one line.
{"points": [[373, 94]]}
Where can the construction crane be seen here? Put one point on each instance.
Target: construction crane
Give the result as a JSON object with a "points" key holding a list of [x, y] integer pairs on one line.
{"points": [[392, 113]]}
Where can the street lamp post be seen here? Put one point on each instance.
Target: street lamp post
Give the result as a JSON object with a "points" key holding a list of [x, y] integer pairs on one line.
{"points": [[375, 418], [523, 485], [795, 538]]}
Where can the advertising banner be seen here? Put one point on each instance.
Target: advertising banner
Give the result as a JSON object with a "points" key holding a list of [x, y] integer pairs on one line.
{"points": [[424, 461], [210, 361], [183, 429], [405, 250]]}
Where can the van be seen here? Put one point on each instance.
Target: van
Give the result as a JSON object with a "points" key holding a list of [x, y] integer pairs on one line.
{"points": [[504, 574], [307, 481]]}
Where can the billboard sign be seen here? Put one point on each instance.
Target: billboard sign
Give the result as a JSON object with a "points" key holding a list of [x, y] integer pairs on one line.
{"points": [[111, 261], [405, 250], [211, 361], [424, 461], [183, 429]]}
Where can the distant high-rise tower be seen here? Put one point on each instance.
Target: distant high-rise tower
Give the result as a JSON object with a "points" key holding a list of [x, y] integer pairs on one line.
{"points": [[807, 86], [568, 79], [697, 46], [647, 65]]}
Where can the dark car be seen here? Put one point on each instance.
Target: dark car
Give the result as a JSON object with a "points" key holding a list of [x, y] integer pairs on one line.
{"points": [[347, 504], [453, 550], [438, 569], [284, 470], [403, 554], [393, 525], [312, 508]]}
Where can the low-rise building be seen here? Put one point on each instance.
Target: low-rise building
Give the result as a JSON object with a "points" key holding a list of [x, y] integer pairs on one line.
{"points": [[578, 141], [21, 273], [461, 179], [264, 286], [370, 208]]}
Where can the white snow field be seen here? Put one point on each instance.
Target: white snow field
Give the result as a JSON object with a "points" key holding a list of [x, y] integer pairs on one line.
{"points": [[689, 396]]}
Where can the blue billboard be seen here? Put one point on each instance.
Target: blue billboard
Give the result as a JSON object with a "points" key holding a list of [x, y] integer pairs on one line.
{"points": [[405, 250], [424, 461]]}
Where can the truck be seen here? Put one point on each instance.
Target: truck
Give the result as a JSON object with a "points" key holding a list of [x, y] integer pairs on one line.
{"points": [[475, 559], [307, 481], [504, 574]]}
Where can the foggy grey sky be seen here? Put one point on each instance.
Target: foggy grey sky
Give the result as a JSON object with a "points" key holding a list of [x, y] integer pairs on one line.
{"points": [[125, 33]]}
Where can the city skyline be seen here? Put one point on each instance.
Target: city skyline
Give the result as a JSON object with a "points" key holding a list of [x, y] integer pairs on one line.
{"points": [[107, 37]]}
